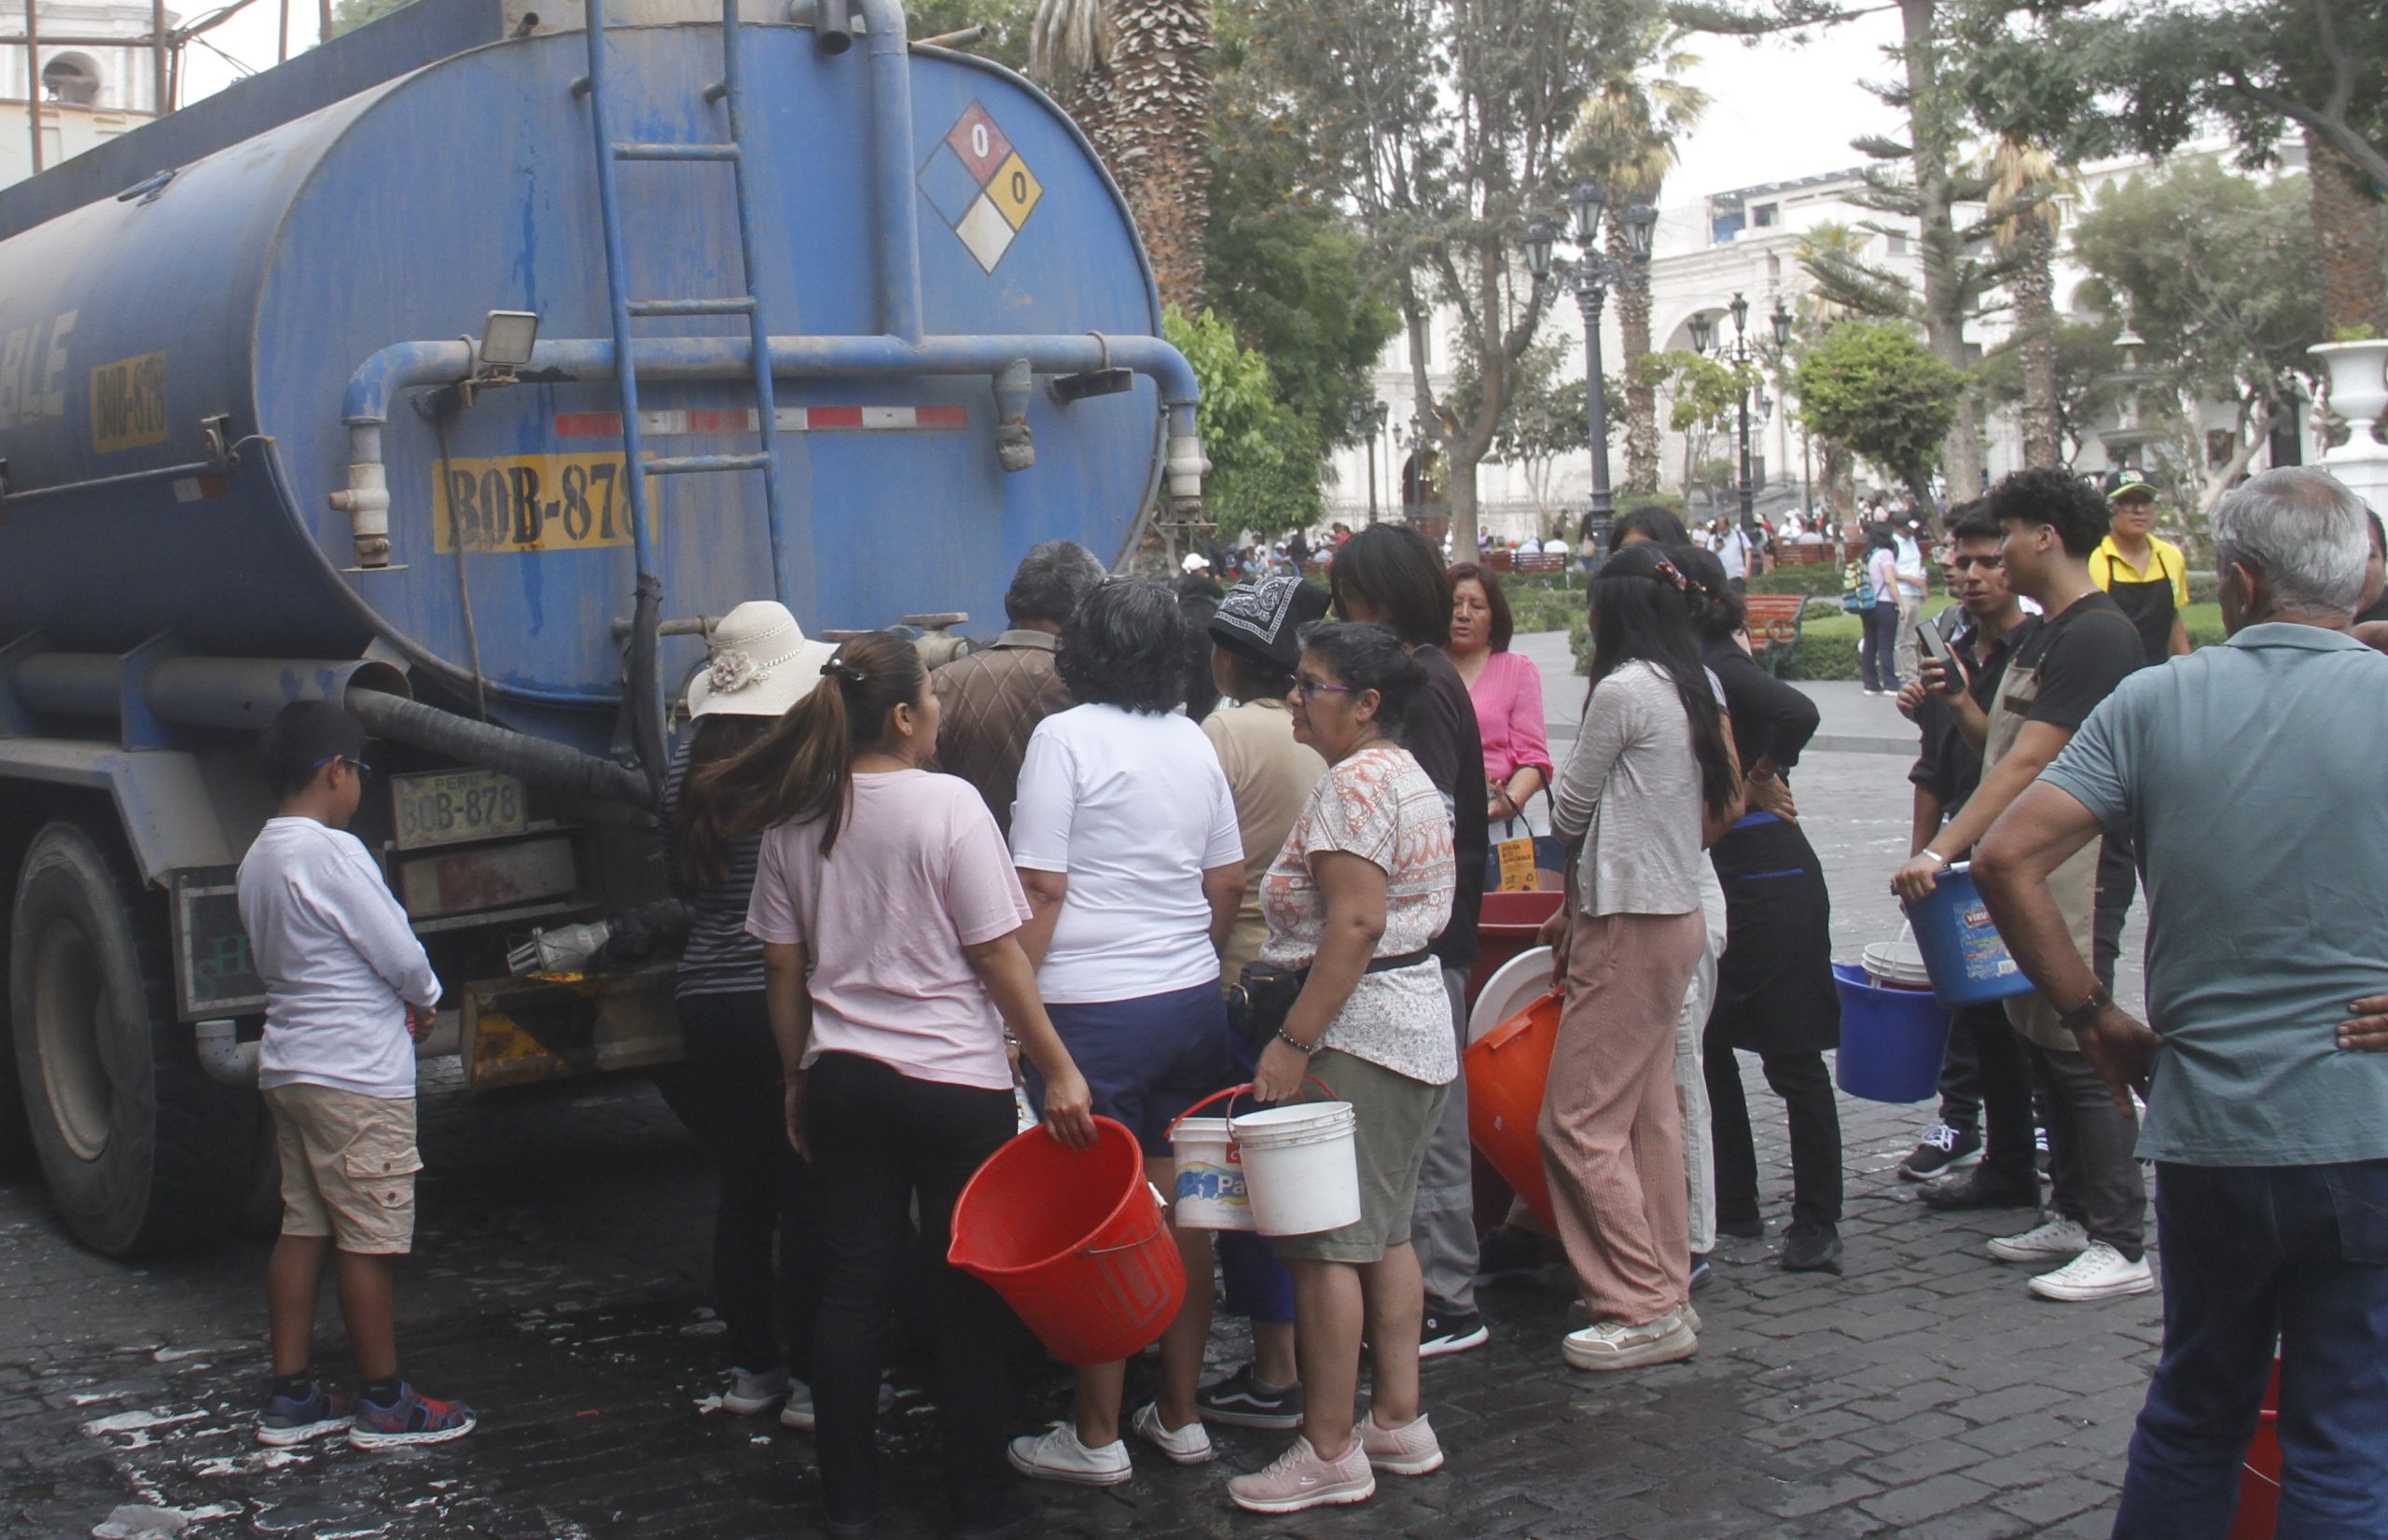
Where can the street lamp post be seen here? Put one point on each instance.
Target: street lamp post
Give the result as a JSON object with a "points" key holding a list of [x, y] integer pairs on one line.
{"points": [[1704, 328], [1591, 275], [1373, 415]]}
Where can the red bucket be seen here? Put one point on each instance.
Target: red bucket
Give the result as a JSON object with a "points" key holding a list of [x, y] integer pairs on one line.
{"points": [[1507, 1070], [1506, 927], [1075, 1242]]}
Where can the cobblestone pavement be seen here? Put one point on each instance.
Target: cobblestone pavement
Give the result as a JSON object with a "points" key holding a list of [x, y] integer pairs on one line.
{"points": [[560, 1286]]}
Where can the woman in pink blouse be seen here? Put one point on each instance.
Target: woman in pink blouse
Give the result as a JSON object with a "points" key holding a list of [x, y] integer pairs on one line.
{"points": [[1507, 692]]}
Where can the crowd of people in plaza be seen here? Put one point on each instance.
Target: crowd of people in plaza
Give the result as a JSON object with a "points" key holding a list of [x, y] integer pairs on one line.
{"points": [[1159, 839]]}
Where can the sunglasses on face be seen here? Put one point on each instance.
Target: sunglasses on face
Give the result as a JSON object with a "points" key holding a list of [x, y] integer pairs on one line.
{"points": [[357, 766], [1309, 689]]}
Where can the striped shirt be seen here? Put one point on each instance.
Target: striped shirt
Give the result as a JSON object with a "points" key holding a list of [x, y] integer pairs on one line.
{"points": [[719, 957]]}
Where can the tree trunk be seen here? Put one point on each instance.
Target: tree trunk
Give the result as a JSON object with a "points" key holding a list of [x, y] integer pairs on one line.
{"points": [[1932, 132], [2036, 318], [1632, 300], [2348, 223], [2255, 432], [1148, 114]]}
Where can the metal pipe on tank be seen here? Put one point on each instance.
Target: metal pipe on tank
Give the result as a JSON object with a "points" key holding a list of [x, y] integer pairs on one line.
{"points": [[231, 693], [69, 684], [32, 79], [895, 208]]}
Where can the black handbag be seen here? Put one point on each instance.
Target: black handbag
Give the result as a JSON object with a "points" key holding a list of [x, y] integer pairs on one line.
{"points": [[1263, 994]]}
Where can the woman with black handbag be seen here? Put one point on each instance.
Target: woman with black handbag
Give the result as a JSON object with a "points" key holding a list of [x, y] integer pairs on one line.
{"points": [[1362, 887]]}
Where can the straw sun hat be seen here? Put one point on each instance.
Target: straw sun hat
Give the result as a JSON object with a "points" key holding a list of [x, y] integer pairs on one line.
{"points": [[758, 664]]}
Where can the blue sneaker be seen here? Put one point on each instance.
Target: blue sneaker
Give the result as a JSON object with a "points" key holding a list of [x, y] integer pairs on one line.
{"points": [[413, 1420], [287, 1419]]}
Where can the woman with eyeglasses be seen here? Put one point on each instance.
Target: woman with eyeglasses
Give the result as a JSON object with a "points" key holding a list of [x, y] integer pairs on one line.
{"points": [[1650, 782], [1355, 898]]}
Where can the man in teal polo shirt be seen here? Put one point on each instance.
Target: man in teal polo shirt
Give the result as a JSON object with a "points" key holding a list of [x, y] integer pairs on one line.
{"points": [[2248, 780]]}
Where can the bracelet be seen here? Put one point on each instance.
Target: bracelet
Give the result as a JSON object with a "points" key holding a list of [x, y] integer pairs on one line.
{"points": [[1305, 1049], [2088, 1011]]}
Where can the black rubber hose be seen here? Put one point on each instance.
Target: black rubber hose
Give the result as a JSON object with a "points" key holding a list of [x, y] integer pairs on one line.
{"points": [[534, 760], [646, 686]]}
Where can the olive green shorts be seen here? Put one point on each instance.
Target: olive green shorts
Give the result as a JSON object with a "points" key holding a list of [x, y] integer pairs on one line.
{"points": [[1393, 1119]]}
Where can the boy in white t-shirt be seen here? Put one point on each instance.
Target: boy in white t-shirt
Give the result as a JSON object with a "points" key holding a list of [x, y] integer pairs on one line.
{"points": [[348, 991]]}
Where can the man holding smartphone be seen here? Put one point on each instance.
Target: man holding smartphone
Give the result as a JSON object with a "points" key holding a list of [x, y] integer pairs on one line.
{"points": [[2055, 677], [1985, 1082]]}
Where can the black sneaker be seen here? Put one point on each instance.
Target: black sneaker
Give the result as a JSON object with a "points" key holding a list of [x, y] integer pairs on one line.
{"points": [[1981, 1189], [1453, 1332], [1940, 1150], [1506, 1254], [1743, 1230], [1811, 1249], [1242, 1401]]}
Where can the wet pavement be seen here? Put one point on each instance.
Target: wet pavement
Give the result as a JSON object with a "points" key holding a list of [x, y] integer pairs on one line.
{"points": [[560, 1286]]}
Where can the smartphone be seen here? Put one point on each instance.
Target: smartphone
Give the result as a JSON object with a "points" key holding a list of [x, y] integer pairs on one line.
{"points": [[1936, 646]]}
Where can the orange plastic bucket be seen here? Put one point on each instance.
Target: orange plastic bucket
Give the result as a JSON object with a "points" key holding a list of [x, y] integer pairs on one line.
{"points": [[1074, 1242], [1506, 1070]]}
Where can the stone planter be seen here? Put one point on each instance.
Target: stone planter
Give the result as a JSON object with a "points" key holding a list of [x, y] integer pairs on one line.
{"points": [[2358, 383]]}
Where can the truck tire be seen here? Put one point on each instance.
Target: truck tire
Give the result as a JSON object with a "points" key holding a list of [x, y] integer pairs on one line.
{"points": [[16, 1136], [142, 1152]]}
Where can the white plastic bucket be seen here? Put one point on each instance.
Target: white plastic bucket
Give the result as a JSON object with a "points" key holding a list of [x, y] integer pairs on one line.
{"points": [[1210, 1192], [1299, 1166], [1897, 964]]}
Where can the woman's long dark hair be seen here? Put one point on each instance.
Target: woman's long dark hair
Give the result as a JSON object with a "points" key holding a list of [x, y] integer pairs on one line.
{"points": [[1641, 612], [1716, 611], [803, 768], [700, 846], [1397, 573]]}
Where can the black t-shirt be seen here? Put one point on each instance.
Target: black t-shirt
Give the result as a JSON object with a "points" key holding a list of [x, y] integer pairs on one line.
{"points": [[1442, 735], [2081, 656], [1947, 764], [1769, 717]]}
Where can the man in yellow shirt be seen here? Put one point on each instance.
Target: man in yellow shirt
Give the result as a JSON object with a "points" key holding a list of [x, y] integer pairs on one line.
{"points": [[2148, 577]]}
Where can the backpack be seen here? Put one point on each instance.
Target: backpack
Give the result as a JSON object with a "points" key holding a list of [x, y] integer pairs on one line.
{"points": [[1856, 588]]}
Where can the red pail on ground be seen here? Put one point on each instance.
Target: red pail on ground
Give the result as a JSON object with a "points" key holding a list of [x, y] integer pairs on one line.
{"points": [[1506, 1070], [1506, 927], [2259, 1476], [1074, 1242]]}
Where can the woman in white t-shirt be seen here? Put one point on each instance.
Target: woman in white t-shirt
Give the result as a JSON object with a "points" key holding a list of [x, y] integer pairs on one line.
{"points": [[1364, 884], [1126, 840], [891, 924]]}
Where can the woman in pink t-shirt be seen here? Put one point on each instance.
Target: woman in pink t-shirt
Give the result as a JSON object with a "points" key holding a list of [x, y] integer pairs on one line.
{"points": [[1506, 689], [890, 918]]}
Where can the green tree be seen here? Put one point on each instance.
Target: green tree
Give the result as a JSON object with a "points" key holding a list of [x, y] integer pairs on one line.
{"points": [[1546, 420], [1264, 459], [2027, 189], [1008, 23], [1702, 394], [2082, 390], [1445, 124], [349, 14], [1286, 268], [2216, 270], [1872, 386]]}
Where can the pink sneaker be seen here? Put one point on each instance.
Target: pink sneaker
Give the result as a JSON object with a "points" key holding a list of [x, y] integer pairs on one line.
{"points": [[1409, 1450], [1300, 1479]]}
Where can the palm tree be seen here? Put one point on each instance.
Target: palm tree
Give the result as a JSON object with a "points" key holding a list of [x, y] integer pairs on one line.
{"points": [[1135, 75], [2026, 203], [2349, 222], [1626, 135]]}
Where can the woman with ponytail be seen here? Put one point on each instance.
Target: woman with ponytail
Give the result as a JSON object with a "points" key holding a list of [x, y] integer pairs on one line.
{"points": [[1651, 780], [890, 919]]}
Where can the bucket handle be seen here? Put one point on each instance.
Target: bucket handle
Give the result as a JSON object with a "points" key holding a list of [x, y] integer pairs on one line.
{"points": [[1233, 1091]]}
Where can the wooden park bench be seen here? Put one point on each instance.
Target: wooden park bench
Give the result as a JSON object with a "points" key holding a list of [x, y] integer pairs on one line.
{"points": [[1541, 561], [1774, 627]]}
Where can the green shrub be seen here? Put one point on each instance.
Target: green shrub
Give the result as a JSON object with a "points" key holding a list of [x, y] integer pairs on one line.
{"points": [[1820, 580]]}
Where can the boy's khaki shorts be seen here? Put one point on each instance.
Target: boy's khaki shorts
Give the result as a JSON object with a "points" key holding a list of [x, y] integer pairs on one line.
{"points": [[348, 1165]]}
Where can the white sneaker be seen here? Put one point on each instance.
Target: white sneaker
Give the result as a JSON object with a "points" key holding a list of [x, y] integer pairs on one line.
{"points": [[1615, 1345], [751, 1391], [2057, 1240], [1057, 1455], [2098, 1273], [797, 1413], [1188, 1446]]}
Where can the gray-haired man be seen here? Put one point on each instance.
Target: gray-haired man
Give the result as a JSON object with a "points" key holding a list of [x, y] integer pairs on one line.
{"points": [[994, 698], [2248, 779]]}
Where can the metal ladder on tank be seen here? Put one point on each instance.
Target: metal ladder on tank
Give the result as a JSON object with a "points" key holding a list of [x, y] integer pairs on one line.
{"points": [[728, 91]]}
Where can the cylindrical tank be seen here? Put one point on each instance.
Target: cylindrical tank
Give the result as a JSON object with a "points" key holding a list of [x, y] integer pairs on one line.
{"points": [[252, 284]]}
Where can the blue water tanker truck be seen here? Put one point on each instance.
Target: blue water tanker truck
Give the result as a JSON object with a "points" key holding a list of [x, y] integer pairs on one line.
{"points": [[463, 370]]}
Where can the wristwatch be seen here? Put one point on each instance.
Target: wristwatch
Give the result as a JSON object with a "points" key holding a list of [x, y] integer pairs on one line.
{"points": [[2083, 1014]]}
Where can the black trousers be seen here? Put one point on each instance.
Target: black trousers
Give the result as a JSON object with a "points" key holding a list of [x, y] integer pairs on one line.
{"points": [[2092, 1163], [766, 1247], [880, 1138], [1806, 1089], [2118, 883], [2001, 1076]]}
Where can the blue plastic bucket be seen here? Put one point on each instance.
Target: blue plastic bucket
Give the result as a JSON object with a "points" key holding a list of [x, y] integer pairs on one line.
{"points": [[1962, 951], [1891, 1040]]}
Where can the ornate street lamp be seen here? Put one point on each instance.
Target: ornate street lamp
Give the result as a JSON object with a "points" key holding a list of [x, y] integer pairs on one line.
{"points": [[1703, 330], [1781, 326], [1591, 274], [1741, 309], [1372, 416]]}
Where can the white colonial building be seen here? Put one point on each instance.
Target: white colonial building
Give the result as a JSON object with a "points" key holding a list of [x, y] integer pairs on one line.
{"points": [[90, 92]]}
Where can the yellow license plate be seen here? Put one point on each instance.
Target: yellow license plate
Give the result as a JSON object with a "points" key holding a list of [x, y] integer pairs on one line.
{"points": [[446, 807], [530, 503]]}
